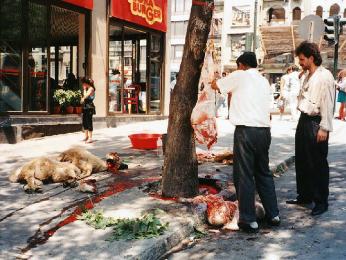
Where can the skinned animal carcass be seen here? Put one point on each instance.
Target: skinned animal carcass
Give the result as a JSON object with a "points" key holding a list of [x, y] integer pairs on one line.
{"points": [[203, 115], [222, 213], [219, 212]]}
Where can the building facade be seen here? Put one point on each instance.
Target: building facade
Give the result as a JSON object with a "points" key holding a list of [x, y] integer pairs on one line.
{"points": [[120, 44], [279, 30]]}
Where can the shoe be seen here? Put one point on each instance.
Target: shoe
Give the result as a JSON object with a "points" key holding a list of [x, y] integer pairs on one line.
{"points": [[248, 227], [319, 209], [274, 222], [298, 201], [89, 141]]}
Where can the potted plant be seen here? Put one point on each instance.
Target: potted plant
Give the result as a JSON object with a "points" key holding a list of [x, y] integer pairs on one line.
{"points": [[76, 101], [69, 101], [59, 98]]}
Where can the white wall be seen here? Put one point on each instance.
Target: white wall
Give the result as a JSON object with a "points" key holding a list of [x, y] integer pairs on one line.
{"points": [[99, 55], [167, 76]]}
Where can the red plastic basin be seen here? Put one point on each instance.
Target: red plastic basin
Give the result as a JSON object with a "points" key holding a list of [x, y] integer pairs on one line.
{"points": [[144, 141]]}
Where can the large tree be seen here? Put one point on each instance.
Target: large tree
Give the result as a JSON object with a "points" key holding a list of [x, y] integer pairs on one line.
{"points": [[180, 172]]}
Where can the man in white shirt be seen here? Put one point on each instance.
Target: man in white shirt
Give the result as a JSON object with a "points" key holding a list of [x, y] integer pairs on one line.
{"points": [[316, 103], [250, 113]]}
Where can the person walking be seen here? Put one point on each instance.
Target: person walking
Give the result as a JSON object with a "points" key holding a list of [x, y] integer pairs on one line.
{"points": [[341, 87], [88, 108], [284, 91], [250, 113], [315, 102]]}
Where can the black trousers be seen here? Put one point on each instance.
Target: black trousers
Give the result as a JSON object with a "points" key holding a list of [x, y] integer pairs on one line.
{"points": [[251, 172], [312, 169], [87, 120]]}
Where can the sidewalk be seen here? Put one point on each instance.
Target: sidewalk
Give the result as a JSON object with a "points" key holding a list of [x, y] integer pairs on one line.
{"points": [[25, 219]]}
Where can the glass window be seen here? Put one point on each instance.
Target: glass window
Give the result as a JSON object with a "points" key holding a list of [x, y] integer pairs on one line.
{"points": [[37, 59], [10, 55], [238, 44], [155, 73], [179, 29], [334, 10], [319, 11], [178, 51], [297, 14], [114, 92]]}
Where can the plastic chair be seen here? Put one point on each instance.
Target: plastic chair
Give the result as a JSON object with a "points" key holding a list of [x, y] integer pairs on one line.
{"points": [[131, 96]]}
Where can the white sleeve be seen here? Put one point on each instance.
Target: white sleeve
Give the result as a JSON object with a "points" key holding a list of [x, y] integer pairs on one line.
{"points": [[327, 104], [228, 83], [342, 85]]}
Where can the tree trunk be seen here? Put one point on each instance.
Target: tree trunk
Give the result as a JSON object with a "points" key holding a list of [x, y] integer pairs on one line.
{"points": [[180, 172]]}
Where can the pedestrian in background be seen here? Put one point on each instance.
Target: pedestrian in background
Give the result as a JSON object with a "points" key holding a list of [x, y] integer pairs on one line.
{"points": [[315, 102], [250, 113], [88, 108], [114, 91], [284, 91], [341, 87], [294, 87]]}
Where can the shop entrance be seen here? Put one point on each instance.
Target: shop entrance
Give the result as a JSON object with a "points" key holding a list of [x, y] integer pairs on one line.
{"points": [[135, 62]]}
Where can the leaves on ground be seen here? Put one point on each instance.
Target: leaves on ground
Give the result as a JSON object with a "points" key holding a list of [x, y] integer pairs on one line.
{"points": [[147, 226]]}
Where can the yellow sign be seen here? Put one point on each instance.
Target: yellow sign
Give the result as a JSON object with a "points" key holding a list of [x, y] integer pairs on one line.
{"points": [[146, 9]]}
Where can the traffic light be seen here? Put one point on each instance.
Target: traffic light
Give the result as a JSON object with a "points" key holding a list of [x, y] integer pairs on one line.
{"points": [[332, 29]]}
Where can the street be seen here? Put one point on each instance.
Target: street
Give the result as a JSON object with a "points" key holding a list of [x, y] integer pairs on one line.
{"points": [[300, 236], [26, 218]]}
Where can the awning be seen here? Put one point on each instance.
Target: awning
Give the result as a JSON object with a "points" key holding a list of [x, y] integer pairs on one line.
{"points": [[148, 13], [88, 4]]}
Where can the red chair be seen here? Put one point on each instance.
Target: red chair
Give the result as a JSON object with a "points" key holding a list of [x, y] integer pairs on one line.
{"points": [[131, 96]]}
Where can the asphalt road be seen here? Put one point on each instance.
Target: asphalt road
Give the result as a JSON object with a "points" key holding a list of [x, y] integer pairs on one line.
{"points": [[300, 235]]}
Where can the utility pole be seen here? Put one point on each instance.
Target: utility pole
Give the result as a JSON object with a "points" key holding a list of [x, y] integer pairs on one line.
{"points": [[254, 46]]}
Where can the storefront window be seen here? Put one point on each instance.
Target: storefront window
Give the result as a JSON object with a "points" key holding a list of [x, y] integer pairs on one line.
{"points": [[127, 70], [155, 73], [10, 55], [38, 57], [115, 81], [31, 70]]}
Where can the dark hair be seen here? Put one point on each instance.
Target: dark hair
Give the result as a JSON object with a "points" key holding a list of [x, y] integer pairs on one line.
{"points": [[248, 58], [309, 49], [88, 81], [295, 68], [115, 71]]}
